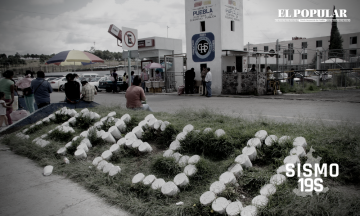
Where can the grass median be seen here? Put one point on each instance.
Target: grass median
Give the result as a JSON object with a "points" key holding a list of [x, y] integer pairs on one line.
{"points": [[335, 144]]}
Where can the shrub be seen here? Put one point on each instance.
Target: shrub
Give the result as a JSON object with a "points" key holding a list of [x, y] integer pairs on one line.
{"points": [[60, 136], [163, 139], [253, 179], [84, 122], [165, 167], [59, 118], [73, 147], [107, 124], [131, 124], [273, 155], [204, 172], [94, 139], [207, 144]]}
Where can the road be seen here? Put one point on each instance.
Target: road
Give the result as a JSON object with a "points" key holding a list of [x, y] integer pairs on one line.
{"points": [[250, 108]]}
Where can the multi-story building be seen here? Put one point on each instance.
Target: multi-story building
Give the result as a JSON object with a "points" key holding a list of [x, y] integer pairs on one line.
{"points": [[214, 37], [304, 49]]}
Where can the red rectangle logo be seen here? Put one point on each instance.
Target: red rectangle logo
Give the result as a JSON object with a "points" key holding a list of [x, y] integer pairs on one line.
{"points": [[198, 4]]}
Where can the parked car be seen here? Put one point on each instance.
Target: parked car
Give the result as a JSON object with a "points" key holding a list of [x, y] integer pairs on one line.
{"points": [[283, 77], [95, 82], [51, 78], [58, 83], [107, 85]]}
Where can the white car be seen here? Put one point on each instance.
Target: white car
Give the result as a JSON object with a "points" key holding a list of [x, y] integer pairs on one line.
{"points": [[95, 82], [58, 83]]}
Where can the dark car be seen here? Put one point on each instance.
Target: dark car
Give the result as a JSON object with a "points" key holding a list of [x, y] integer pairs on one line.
{"points": [[107, 85]]}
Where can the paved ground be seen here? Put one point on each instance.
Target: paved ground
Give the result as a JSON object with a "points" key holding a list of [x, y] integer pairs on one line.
{"points": [[327, 106], [25, 191]]}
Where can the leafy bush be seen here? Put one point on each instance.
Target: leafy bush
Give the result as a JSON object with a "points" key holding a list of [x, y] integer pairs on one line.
{"points": [[253, 179], [163, 139], [84, 122], [59, 118], [33, 129], [204, 172], [94, 139], [165, 167], [273, 155], [207, 144], [107, 125], [73, 147], [131, 124], [60, 136]]}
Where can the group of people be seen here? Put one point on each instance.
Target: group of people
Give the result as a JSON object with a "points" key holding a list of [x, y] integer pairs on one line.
{"points": [[33, 89], [76, 90], [115, 78], [206, 79], [38, 90]]}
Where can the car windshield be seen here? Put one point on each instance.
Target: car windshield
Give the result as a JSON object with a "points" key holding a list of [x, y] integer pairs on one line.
{"points": [[95, 79]]}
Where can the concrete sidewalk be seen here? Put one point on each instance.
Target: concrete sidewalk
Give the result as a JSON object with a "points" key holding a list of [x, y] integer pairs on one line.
{"points": [[349, 95], [25, 191]]}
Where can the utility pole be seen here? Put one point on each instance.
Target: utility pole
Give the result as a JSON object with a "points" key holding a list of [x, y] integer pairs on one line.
{"points": [[277, 56], [167, 31]]}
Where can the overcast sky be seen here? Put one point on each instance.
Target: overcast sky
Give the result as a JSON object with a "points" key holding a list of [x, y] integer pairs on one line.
{"points": [[51, 26]]}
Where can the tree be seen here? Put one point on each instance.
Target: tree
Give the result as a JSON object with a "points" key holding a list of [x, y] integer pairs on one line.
{"points": [[335, 40]]}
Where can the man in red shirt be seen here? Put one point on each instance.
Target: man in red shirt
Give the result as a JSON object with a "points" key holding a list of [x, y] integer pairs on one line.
{"points": [[135, 95]]}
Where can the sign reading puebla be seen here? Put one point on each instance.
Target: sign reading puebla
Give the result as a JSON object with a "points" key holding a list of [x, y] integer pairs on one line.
{"points": [[203, 47], [202, 10]]}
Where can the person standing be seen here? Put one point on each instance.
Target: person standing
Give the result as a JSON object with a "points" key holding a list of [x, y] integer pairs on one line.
{"points": [[233, 70], [42, 90], [144, 77], [203, 75], [3, 108], [189, 81], [208, 80], [253, 69], [132, 77], [7, 86], [25, 85], [72, 90], [88, 92], [291, 77], [115, 76]]}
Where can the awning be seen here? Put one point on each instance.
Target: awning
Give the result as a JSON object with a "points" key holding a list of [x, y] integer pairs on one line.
{"points": [[234, 53]]}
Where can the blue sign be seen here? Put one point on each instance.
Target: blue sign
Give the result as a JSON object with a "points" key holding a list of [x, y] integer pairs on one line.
{"points": [[203, 47]]}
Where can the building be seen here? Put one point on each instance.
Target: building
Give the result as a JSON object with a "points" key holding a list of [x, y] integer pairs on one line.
{"points": [[153, 49], [214, 38], [304, 50]]}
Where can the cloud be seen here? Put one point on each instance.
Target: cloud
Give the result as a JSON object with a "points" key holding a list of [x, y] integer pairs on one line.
{"points": [[46, 2], [79, 27]]}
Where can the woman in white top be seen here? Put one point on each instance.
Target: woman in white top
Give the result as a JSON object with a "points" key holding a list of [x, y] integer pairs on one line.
{"points": [[25, 84]]}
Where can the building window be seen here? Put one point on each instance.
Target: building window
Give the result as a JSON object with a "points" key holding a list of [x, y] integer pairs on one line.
{"points": [[319, 43], [255, 49], [245, 49], [232, 25], [266, 48], [304, 56], [353, 40], [202, 26], [304, 45], [290, 46], [352, 53]]}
